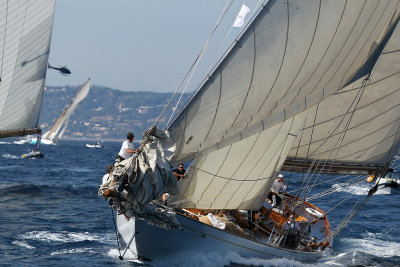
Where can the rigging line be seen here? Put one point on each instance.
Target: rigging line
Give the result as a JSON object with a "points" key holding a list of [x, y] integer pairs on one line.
{"points": [[192, 69], [328, 181], [305, 192], [344, 133], [116, 232], [208, 69], [342, 201], [4, 43], [332, 190]]}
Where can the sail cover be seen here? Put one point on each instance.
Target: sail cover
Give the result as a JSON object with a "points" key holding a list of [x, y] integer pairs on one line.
{"points": [[25, 32], [292, 56], [62, 121], [359, 124]]}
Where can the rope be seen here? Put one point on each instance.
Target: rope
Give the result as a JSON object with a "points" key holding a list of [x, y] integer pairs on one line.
{"points": [[194, 65], [116, 235]]}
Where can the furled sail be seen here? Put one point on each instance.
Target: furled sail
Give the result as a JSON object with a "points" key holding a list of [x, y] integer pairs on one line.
{"points": [[292, 56], [62, 122], [25, 33], [359, 126]]}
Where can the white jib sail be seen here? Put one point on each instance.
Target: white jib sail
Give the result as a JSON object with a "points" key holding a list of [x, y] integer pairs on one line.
{"points": [[25, 33], [238, 176]]}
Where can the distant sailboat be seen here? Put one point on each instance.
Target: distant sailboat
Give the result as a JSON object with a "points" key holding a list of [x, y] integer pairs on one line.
{"points": [[309, 87], [25, 34], [58, 129]]}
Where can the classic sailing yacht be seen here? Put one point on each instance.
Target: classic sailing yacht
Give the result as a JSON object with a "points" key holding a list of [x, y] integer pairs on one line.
{"points": [[57, 131], [310, 87], [25, 33]]}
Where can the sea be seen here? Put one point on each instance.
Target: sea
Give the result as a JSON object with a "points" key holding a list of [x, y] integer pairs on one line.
{"points": [[51, 215]]}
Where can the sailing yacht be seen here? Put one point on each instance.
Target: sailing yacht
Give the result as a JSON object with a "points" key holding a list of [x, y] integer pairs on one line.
{"points": [[24, 50], [60, 126], [309, 87]]}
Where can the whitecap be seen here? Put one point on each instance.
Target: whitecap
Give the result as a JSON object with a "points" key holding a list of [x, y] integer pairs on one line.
{"points": [[356, 189], [23, 244], [9, 156], [65, 237], [72, 251], [372, 245], [226, 259]]}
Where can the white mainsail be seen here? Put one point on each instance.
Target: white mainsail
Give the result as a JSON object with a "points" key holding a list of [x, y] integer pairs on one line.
{"points": [[25, 33], [294, 55], [62, 122], [371, 138]]}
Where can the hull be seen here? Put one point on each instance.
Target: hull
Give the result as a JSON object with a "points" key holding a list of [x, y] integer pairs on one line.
{"points": [[154, 243], [384, 189], [42, 141]]}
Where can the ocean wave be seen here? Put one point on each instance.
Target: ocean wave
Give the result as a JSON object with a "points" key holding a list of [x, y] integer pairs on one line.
{"points": [[35, 189], [72, 251], [9, 156], [373, 245], [65, 237], [358, 189], [23, 244], [228, 259]]}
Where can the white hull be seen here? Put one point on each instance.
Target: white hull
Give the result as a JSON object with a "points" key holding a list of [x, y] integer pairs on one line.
{"points": [[387, 190], [42, 141], [94, 146], [155, 243]]}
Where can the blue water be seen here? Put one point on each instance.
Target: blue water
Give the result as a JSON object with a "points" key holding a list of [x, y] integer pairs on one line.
{"points": [[51, 216]]}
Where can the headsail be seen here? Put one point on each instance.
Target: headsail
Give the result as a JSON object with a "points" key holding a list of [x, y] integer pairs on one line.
{"points": [[292, 56], [25, 33], [62, 121], [371, 138]]}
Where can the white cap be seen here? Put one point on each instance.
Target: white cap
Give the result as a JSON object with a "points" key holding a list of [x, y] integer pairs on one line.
{"points": [[280, 175]]}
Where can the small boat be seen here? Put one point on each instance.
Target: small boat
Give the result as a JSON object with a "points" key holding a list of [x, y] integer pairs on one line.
{"points": [[97, 145], [32, 154], [390, 184]]}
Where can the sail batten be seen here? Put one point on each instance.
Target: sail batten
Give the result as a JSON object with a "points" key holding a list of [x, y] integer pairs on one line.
{"points": [[25, 33]]}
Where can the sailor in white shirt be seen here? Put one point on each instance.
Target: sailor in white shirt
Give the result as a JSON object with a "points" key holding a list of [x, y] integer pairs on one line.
{"points": [[127, 148], [279, 184]]}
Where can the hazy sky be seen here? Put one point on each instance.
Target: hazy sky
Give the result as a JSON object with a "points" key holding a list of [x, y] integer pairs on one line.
{"points": [[135, 45]]}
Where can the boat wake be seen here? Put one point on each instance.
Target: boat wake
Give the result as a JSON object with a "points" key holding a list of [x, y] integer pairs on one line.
{"points": [[227, 259], [374, 245], [357, 189], [65, 242], [9, 156]]}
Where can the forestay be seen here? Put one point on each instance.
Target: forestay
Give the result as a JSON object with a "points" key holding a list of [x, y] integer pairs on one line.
{"points": [[292, 56], [25, 32], [358, 125]]}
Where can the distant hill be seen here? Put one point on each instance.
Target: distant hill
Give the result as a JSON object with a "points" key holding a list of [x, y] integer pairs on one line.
{"points": [[105, 113]]}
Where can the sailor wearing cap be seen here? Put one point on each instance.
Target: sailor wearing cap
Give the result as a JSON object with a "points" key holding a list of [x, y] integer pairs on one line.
{"points": [[279, 184]]}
